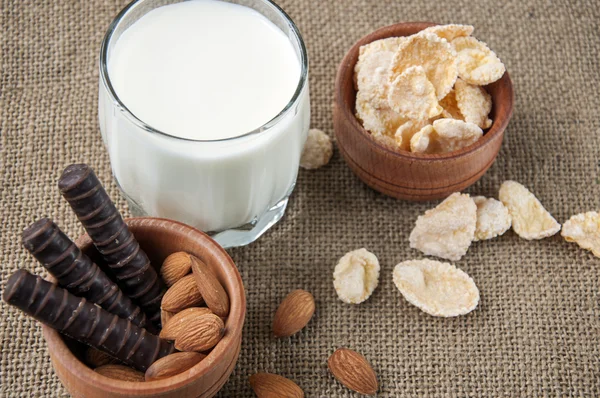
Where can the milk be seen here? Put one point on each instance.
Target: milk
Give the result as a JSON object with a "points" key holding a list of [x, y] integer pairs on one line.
{"points": [[198, 77]]}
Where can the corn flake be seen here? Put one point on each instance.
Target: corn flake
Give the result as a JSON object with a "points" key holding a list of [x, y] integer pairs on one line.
{"points": [[584, 229], [372, 73], [492, 218], [447, 230], [450, 32], [435, 55], [530, 220], [356, 276], [450, 107], [387, 141], [317, 150], [438, 289], [477, 64], [474, 103], [413, 96], [407, 130], [376, 119]]}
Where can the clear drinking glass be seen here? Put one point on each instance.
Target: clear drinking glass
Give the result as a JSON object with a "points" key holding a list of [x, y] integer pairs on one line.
{"points": [[236, 188]]}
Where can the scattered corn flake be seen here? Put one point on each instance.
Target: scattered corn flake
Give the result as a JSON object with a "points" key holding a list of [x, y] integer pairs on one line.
{"points": [[492, 218], [356, 276], [474, 103], [451, 31], [317, 150], [439, 289], [406, 131], [530, 220], [584, 229], [421, 140], [477, 64], [412, 95], [434, 54], [447, 230], [450, 107], [452, 134], [374, 118]]}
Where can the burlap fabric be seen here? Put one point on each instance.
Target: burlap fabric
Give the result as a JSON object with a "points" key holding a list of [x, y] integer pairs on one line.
{"points": [[536, 331]]}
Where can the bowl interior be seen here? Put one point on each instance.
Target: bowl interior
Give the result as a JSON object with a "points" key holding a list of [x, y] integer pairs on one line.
{"points": [[500, 91], [159, 238]]}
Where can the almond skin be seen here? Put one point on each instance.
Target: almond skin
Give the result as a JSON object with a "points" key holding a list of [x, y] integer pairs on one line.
{"points": [[353, 371], [180, 321], [268, 385], [165, 316], [183, 294], [173, 364], [200, 333], [210, 288], [294, 313], [120, 372], [96, 358], [175, 267]]}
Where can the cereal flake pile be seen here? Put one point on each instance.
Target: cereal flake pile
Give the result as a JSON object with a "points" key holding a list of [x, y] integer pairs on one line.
{"points": [[423, 93]]}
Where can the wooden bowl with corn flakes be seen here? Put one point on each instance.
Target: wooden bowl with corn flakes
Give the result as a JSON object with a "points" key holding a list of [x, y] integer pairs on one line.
{"points": [[420, 109]]}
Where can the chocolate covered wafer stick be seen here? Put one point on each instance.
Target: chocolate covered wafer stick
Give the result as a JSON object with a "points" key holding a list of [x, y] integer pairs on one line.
{"points": [[81, 188], [76, 272], [83, 321]]}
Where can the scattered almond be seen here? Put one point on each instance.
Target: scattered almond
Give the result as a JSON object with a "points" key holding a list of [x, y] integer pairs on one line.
{"points": [[268, 385], [183, 294], [353, 371], [180, 321], [211, 289], [120, 372], [200, 333], [294, 313], [175, 267], [96, 358], [173, 364]]}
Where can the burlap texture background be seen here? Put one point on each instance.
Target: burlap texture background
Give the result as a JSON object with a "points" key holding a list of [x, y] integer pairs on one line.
{"points": [[536, 331]]}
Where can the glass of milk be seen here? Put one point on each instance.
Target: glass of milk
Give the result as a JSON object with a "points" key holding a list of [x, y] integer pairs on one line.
{"points": [[204, 110]]}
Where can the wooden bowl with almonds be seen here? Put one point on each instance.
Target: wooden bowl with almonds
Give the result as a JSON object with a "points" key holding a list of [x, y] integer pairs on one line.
{"points": [[404, 174], [159, 238]]}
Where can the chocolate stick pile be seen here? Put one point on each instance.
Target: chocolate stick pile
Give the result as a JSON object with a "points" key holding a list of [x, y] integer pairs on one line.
{"points": [[77, 318], [114, 309]]}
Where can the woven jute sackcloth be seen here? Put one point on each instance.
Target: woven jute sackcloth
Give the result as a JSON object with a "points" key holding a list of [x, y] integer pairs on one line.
{"points": [[536, 331]]}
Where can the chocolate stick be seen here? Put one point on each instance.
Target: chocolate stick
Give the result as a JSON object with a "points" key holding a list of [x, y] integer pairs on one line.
{"points": [[83, 321], [81, 188], [76, 272]]}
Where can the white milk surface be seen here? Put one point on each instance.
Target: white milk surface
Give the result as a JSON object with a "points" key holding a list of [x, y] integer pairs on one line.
{"points": [[204, 70]]}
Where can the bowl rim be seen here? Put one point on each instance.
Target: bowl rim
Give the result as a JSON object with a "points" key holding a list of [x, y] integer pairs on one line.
{"points": [[347, 67], [235, 322]]}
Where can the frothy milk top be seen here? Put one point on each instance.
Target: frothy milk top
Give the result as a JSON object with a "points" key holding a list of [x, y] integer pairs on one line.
{"points": [[204, 69]]}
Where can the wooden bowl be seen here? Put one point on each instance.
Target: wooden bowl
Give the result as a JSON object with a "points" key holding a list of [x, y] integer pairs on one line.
{"points": [[159, 238], [406, 175]]}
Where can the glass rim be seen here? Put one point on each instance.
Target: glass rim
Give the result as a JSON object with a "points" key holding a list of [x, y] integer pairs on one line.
{"points": [[105, 79]]}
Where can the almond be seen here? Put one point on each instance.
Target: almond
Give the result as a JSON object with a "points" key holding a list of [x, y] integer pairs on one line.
{"points": [[352, 370], [268, 385], [173, 364], [96, 358], [211, 289], [293, 313], [180, 321], [175, 267], [200, 333], [120, 372], [165, 316], [183, 294]]}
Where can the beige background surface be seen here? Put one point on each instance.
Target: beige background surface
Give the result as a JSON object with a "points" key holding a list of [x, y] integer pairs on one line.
{"points": [[536, 331]]}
